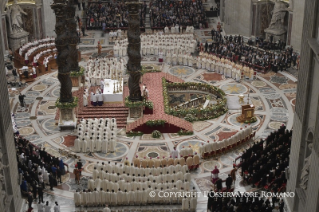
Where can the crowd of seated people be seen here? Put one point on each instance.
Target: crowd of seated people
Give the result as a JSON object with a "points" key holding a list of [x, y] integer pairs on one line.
{"points": [[183, 13], [234, 48], [113, 14], [263, 164], [242, 204], [37, 168]]}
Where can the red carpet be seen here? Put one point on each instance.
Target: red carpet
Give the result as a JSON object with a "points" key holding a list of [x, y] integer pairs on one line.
{"points": [[69, 140], [153, 82]]}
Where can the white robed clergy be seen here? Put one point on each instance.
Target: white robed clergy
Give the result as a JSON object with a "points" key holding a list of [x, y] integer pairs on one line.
{"points": [[101, 135]]}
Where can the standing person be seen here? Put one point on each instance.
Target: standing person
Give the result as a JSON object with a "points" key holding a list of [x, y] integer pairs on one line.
{"points": [[281, 205], [30, 200], [47, 207], [106, 209], [99, 48], [14, 73], [79, 164], [83, 4], [174, 153], [233, 174], [56, 207], [229, 182], [51, 181], [40, 193], [146, 94], [40, 207], [59, 175], [21, 99], [83, 31], [79, 3], [77, 174]]}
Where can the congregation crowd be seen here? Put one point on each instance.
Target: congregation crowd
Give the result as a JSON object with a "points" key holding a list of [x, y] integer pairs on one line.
{"points": [[112, 14], [242, 204], [263, 165], [181, 13], [251, 54], [37, 169]]}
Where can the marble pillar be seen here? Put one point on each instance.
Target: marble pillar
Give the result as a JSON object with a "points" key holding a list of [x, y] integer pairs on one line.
{"points": [[3, 29], [10, 194]]}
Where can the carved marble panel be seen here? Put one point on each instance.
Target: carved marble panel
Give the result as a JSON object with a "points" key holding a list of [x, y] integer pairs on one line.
{"points": [[135, 112]]}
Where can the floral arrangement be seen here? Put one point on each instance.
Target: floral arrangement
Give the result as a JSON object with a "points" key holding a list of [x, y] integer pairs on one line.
{"points": [[195, 114], [156, 134], [133, 133], [130, 104], [184, 132], [251, 120], [153, 123], [67, 105], [78, 73]]}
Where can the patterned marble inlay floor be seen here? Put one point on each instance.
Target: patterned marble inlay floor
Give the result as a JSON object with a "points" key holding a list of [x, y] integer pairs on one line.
{"points": [[273, 94]]}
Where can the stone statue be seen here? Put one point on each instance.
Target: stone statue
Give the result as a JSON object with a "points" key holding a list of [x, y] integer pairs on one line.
{"points": [[278, 16], [305, 170], [16, 12]]}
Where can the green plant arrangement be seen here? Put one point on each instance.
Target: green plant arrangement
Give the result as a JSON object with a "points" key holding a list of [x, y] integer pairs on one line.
{"points": [[190, 118], [154, 123], [133, 133], [67, 105], [185, 132], [251, 120], [78, 73], [156, 134], [130, 104], [144, 70], [195, 114]]}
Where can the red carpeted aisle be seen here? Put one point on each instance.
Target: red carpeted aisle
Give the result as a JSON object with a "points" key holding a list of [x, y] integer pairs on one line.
{"points": [[153, 83]]}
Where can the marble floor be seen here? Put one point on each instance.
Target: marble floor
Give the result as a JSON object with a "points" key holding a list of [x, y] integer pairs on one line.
{"points": [[273, 94]]}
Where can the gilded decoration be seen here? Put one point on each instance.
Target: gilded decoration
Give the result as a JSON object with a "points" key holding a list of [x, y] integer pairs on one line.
{"points": [[10, 2]]}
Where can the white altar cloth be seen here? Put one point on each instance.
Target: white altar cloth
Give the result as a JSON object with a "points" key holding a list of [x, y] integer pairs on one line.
{"points": [[108, 95]]}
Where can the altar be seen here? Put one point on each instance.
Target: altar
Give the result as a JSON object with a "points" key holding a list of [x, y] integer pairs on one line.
{"points": [[109, 95]]}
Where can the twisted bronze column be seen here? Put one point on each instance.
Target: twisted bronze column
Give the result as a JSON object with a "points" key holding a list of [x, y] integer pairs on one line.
{"points": [[133, 51], [65, 29]]}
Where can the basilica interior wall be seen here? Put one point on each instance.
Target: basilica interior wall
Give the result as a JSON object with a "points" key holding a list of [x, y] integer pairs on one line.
{"points": [[238, 17], [297, 24], [48, 19]]}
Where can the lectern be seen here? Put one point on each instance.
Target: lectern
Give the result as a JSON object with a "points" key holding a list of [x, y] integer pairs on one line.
{"points": [[247, 112]]}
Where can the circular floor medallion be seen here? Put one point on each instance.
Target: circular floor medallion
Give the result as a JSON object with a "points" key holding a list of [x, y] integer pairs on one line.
{"points": [[40, 87], [275, 125], [234, 88], [258, 83], [181, 70], [210, 165], [26, 130]]}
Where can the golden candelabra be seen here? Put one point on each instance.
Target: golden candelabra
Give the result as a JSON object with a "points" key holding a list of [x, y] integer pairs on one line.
{"points": [[117, 86], [114, 88], [121, 87]]}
